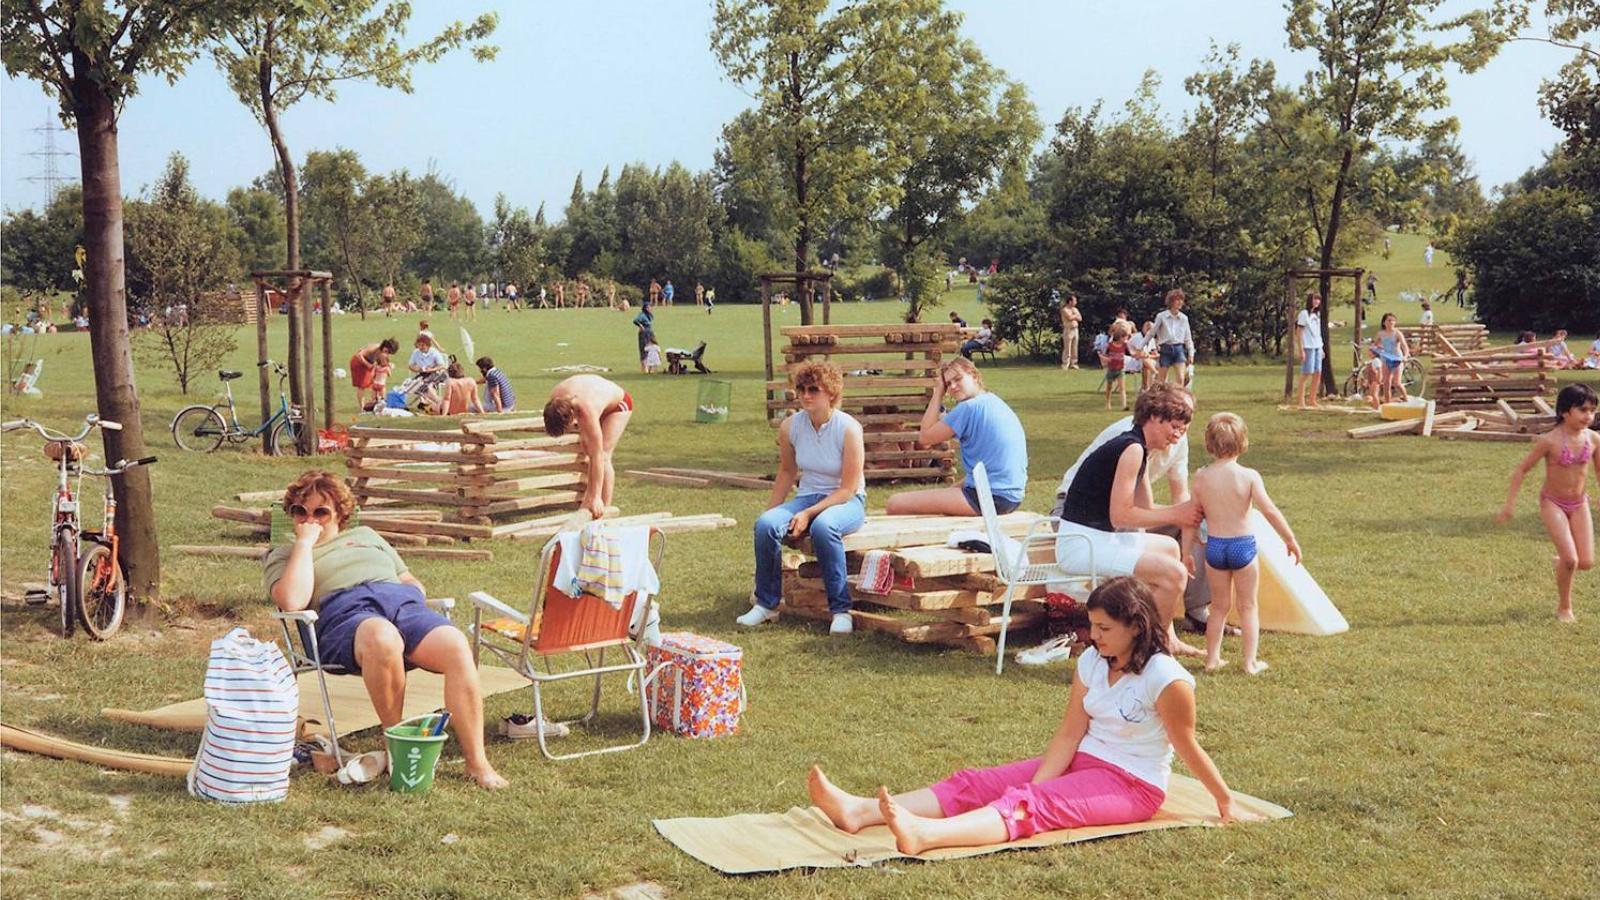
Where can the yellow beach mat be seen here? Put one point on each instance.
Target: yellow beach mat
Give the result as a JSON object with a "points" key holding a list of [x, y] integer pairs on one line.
{"points": [[352, 710], [49, 745], [804, 838]]}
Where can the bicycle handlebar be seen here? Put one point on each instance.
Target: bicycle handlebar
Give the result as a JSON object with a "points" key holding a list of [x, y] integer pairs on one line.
{"points": [[107, 423], [13, 425], [89, 423]]}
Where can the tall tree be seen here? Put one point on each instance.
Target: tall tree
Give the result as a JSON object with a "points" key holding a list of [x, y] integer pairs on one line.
{"points": [[258, 228], [89, 55], [828, 84], [452, 236], [286, 50]]}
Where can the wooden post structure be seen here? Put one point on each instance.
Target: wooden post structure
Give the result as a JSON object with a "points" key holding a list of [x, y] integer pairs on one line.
{"points": [[766, 322], [327, 354], [263, 377], [308, 400], [1289, 278], [801, 281]]}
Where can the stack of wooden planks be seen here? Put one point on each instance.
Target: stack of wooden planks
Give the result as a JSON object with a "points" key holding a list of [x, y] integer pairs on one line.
{"points": [[941, 595], [476, 473], [417, 533], [1486, 379], [1427, 340], [890, 372], [1501, 423]]}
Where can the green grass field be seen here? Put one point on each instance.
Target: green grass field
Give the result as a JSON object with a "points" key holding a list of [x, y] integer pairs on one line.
{"points": [[1445, 746]]}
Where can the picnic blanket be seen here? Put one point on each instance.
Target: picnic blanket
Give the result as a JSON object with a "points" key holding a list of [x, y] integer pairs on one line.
{"points": [[803, 836], [352, 709]]}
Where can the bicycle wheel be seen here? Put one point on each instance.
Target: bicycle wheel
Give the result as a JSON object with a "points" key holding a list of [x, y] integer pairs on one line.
{"points": [[1414, 377], [1352, 385], [63, 559], [284, 438], [198, 429], [103, 593]]}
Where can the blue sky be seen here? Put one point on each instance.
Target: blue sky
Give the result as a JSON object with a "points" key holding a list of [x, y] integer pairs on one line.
{"points": [[578, 86]]}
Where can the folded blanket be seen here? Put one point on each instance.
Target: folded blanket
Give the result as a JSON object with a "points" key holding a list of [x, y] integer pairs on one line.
{"points": [[804, 838]]}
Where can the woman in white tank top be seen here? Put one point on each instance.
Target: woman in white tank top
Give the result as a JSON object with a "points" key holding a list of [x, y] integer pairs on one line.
{"points": [[822, 455]]}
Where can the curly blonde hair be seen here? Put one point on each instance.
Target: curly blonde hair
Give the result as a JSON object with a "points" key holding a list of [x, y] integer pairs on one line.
{"points": [[319, 481], [824, 375]]}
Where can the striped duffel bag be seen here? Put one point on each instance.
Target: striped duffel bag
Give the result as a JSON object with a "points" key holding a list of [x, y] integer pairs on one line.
{"points": [[251, 705]]}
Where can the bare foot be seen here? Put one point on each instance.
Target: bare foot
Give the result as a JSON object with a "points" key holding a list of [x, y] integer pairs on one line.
{"points": [[1213, 665], [847, 812], [903, 825], [1566, 615], [487, 777], [1256, 668], [1179, 648]]}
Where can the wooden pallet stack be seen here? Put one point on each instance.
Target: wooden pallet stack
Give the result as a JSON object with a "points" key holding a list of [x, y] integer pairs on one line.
{"points": [[890, 372], [1428, 340], [412, 531], [1502, 423], [1492, 377], [942, 596], [477, 473]]}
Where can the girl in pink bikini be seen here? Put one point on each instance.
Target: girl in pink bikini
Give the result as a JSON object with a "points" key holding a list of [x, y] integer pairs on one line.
{"points": [[1568, 451]]}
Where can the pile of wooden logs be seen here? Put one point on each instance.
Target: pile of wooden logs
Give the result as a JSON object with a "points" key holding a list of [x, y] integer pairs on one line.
{"points": [[1501, 423], [476, 473], [890, 372], [1493, 377], [1428, 340], [941, 595]]}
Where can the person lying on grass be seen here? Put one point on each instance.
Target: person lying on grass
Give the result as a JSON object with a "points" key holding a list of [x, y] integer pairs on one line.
{"points": [[371, 618], [598, 410], [1569, 450], [989, 432], [1108, 763]]}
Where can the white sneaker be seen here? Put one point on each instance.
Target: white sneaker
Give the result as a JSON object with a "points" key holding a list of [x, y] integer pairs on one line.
{"points": [[841, 624], [519, 727], [758, 615], [1053, 650]]}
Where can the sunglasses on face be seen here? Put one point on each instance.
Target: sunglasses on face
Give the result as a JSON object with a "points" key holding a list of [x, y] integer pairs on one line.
{"points": [[809, 388], [320, 514]]}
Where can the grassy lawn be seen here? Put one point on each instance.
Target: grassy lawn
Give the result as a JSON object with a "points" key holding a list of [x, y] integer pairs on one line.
{"points": [[1444, 746]]}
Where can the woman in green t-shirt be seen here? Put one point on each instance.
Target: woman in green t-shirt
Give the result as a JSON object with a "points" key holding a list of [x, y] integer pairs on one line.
{"points": [[371, 618]]}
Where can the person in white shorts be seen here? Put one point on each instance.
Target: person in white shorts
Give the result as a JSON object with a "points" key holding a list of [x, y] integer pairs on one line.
{"points": [[1111, 490]]}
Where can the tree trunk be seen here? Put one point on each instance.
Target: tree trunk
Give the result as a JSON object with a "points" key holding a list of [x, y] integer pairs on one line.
{"points": [[104, 283], [1325, 283], [280, 148], [802, 238]]}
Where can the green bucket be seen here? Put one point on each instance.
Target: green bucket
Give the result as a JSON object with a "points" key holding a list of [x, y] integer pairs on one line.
{"points": [[712, 405], [413, 754]]}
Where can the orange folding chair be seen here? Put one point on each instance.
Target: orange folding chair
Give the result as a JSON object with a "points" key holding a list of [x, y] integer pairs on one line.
{"points": [[544, 643]]}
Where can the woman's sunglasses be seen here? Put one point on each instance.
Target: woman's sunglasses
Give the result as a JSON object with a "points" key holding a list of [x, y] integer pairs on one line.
{"points": [[321, 513], [809, 388]]}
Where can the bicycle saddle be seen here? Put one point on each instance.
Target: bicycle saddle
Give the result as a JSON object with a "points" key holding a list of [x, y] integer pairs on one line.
{"points": [[226, 375], [57, 449]]}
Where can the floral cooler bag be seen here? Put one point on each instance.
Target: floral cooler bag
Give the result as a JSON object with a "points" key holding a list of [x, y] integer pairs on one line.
{"points": [[696, 685]]}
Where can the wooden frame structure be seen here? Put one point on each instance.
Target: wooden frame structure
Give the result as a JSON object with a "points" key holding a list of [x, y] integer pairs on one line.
{"points": [[802, 282], [890, 373], [1292, 308], [297, 286]]}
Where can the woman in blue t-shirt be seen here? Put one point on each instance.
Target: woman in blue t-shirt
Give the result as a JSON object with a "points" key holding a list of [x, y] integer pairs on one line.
{"points": [[989, 432]]}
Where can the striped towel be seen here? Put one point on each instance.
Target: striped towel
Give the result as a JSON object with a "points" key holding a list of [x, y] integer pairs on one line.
{"points": [[252, 702], [600, 565]]}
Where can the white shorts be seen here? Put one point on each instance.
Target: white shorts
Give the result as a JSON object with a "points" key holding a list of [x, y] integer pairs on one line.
{"points": [[1115, 552]]}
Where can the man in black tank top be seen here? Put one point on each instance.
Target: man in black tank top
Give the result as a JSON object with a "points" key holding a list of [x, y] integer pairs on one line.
{"points": [[1110, 493]]}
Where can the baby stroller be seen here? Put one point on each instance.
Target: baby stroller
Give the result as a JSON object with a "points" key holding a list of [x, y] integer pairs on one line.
{"points": [[411, 391]]}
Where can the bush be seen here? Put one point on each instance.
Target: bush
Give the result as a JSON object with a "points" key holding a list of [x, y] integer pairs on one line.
{"points": [[1535, 261], [864, 282]]}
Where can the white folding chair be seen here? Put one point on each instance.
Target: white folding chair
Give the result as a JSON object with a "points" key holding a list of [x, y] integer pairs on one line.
{"points": [[1011, 557]]}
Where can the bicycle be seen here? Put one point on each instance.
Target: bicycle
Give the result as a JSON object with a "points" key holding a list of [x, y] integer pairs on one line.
{"points": [[202, 429], [1413, 377], [84, 572]]}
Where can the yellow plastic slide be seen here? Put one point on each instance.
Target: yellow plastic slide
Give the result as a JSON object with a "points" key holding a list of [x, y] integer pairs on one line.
{"points": [[1290, 599]]}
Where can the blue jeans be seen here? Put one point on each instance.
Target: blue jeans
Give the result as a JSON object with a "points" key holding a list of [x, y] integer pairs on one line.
{"points": [[828, 529]]}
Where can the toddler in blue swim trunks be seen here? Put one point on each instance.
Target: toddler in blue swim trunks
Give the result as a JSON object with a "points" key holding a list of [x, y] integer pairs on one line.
{"points": [[1227, 492]]}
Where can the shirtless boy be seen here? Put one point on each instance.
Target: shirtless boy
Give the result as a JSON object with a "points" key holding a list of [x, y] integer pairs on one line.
{"points": [[598, 410]]}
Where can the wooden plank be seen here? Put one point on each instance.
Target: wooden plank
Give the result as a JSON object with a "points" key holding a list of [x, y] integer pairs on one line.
{"points": [[931, 350], [446, 529], [442, 456], [920, 599], [853, 382], [489, 426], [402, 515], [539, 443], [667, 478], [402, 539], [1404, 426], [446, 553], [935, 474], [732, 479], [536, 482], [1544, 407], [251, 516], [1505, 437], [418, 434], [940, 455], [256, 496], [1428, 417], [1507, 411], [433, 498], [667, 523], [839, 331], [433, 476], [888, 534], [519, 504], [552, 461]]}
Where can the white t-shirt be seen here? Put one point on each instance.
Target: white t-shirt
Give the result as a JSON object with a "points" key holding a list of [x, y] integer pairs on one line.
{"points": [[1124, 727], [1172, 328], [1312, 323], [1160, 462], [1132, 363], [1427, 317]]}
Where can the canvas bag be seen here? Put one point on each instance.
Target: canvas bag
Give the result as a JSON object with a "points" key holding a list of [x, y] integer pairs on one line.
{"points": [[252, 702], [696, 685]]}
